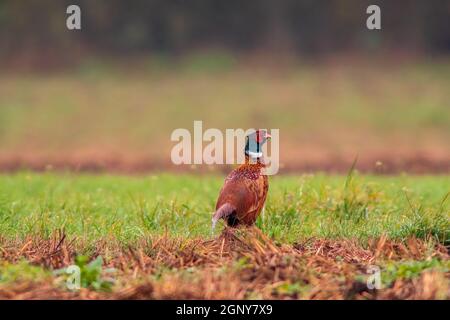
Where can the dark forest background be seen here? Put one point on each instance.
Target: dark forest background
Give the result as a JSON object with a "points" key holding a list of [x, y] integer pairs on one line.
{"points": [[34, 31]]}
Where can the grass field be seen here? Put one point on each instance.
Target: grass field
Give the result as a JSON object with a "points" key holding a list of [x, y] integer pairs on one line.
{"points": [[110, 116], [109, 199], [316, 240]]}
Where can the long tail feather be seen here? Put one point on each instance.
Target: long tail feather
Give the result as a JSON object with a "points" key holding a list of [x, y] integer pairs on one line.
{"points": [[224, 211]]}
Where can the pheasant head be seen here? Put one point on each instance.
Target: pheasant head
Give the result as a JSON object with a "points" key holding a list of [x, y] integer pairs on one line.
{"points": [[254, 142]]}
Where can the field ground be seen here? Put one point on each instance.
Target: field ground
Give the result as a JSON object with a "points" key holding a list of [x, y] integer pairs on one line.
{"points": [[118, 117], [319, 236], [148, 235]]}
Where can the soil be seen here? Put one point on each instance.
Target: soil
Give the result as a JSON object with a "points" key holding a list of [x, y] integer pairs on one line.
{"points": [[236, 265]]}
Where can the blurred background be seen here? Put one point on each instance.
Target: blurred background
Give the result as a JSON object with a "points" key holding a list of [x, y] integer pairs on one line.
{"points": [[107, 97]]}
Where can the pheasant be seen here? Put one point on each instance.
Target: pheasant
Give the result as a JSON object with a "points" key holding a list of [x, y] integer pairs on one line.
{"points": [[245, 189]]}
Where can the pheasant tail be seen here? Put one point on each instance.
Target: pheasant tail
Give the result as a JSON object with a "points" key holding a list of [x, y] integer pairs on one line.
{"points": [[224, 211]]}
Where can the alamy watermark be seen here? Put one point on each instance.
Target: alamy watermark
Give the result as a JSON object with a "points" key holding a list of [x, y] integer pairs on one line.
{"points": [[374, 279], [373, 22], [73, 281], [73, 21], [222, 147]]}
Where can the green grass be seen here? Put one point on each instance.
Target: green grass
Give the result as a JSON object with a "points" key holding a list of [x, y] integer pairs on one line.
{"points": [[22, 271], [412, 269], [126, 208], [131, 108]]}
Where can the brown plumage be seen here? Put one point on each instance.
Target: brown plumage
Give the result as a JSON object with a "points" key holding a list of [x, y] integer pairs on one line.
{"points": [[245, 189]]}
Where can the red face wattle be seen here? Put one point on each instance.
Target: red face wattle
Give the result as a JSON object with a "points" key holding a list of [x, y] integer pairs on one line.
{"points": [[259, 136], [262, 135]]}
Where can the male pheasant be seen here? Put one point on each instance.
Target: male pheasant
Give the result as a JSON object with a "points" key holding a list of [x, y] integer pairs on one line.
{"points": [[245, 189]]}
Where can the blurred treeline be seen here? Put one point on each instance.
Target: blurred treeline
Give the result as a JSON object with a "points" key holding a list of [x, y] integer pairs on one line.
{"points": [[35, 30]]}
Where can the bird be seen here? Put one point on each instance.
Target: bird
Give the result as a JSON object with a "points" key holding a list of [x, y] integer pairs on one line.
{"points": [[245, 189]]}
